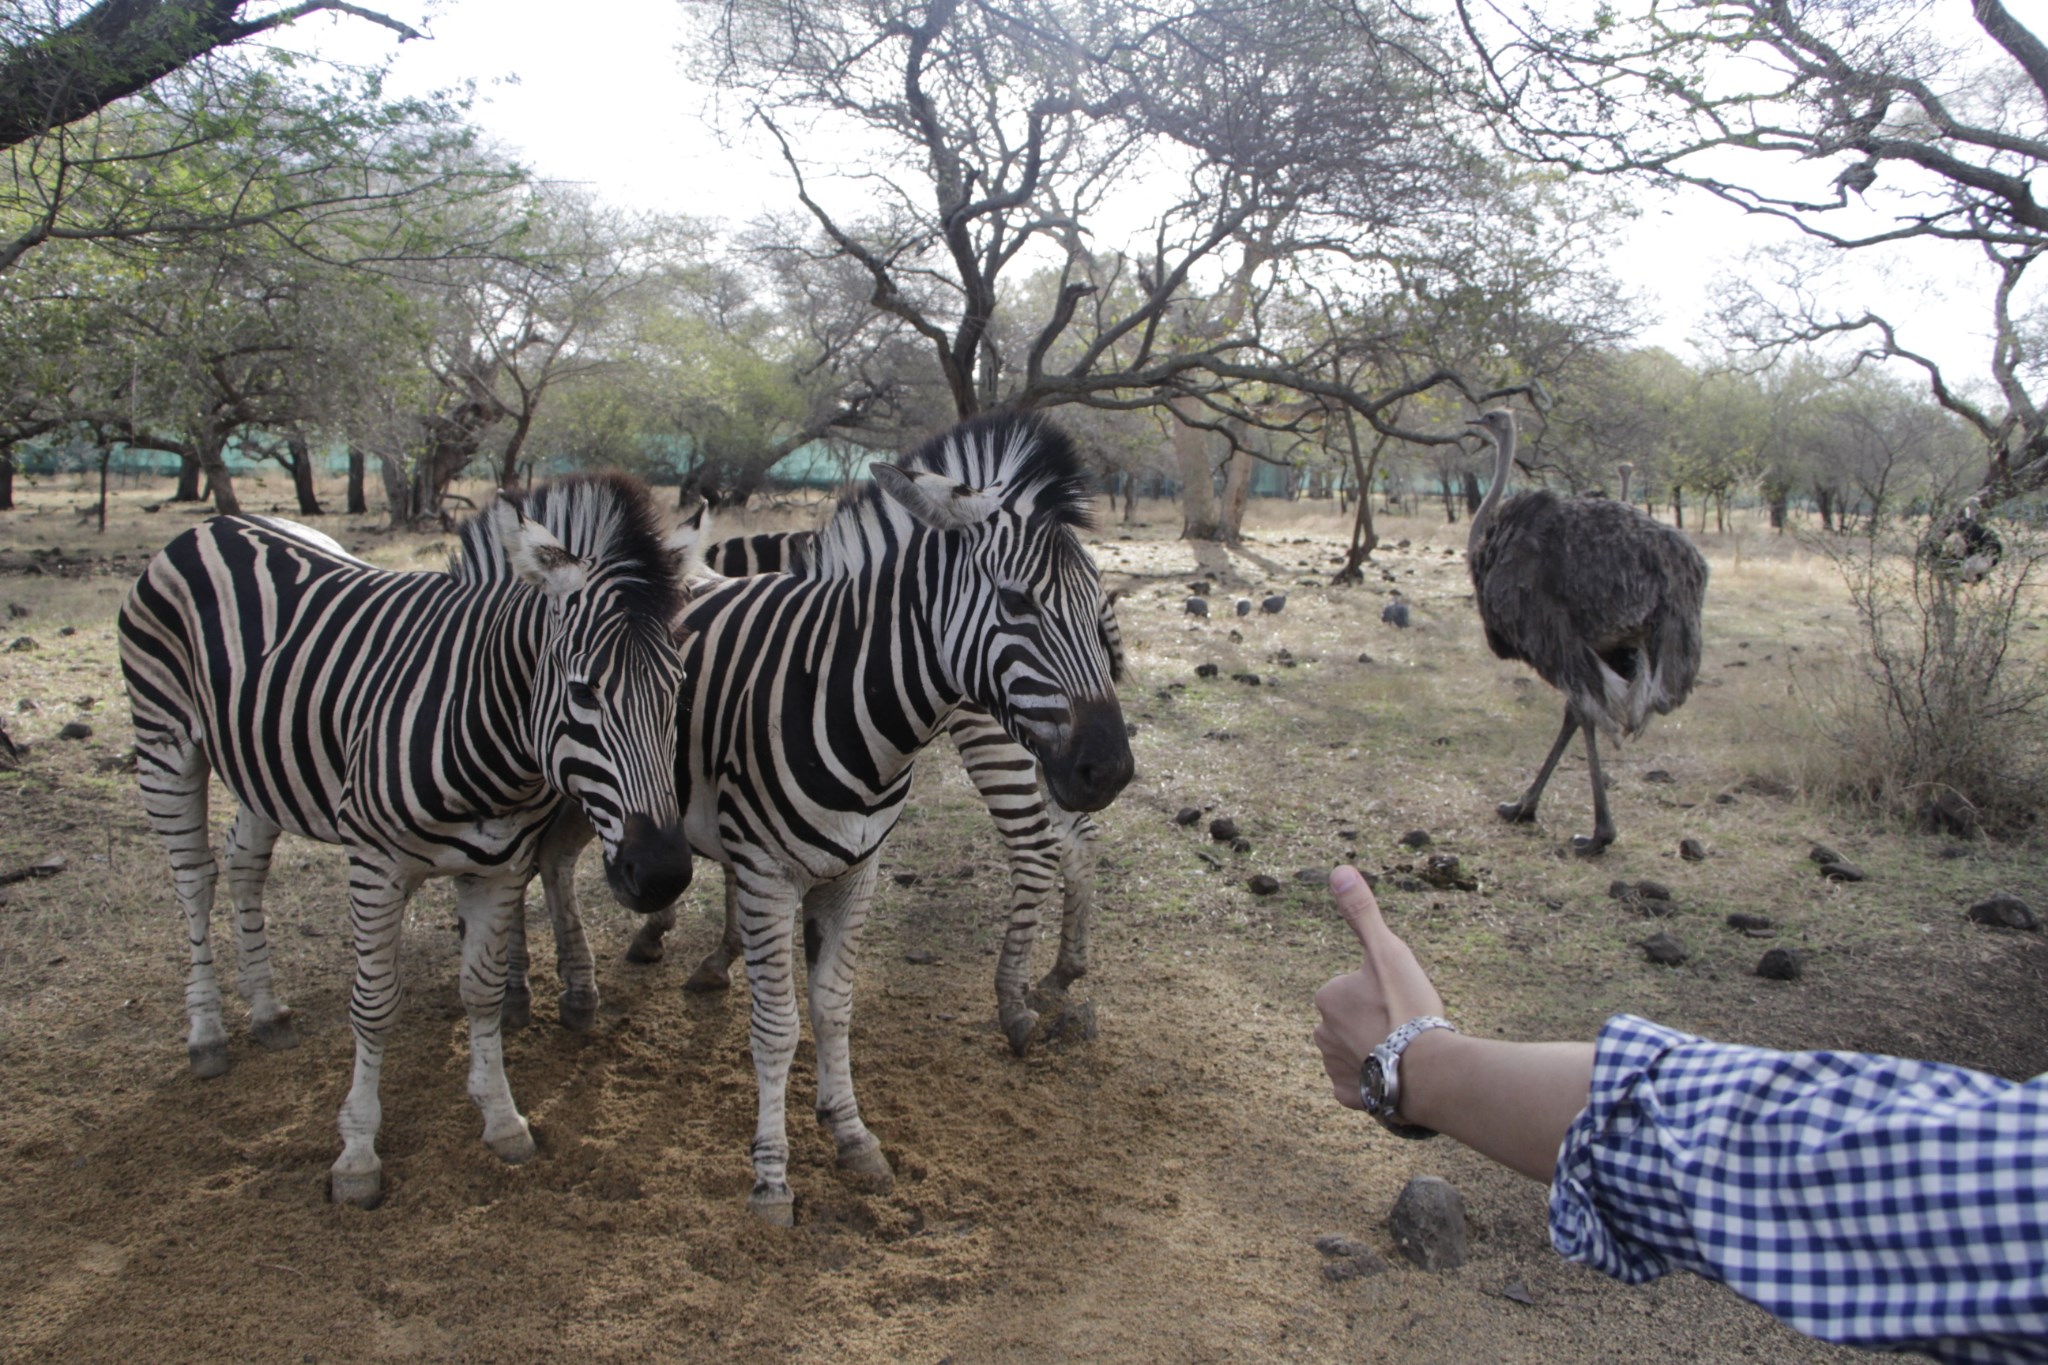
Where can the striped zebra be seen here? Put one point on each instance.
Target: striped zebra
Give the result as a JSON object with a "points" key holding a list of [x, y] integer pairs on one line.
{"points": [[1046, 843], [955, 578], [431, 723]]}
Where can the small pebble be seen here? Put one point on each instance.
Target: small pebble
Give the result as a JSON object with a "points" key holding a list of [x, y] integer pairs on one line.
{"points": [[1186, 815], [1663, 949], [1223, 829], [1821, 853], [1263, 885], [1206, 670], [1842, 872], [1782, 964], [1749, 923], [76, 729], [2006, 911], [1240, 845], [1415, 838], [1692, 850]]}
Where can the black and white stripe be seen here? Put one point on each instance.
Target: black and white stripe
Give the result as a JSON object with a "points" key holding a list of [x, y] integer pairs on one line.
{"points": [[956, 579], [429, 722]]}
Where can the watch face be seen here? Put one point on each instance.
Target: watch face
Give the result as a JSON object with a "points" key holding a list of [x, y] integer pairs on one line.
{"points": [[1372, 1080]]}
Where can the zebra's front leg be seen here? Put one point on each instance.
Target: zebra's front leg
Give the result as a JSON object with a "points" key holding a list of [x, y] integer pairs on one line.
{"points": [[833, 916], [517, 1011], [769, 909], [377, 896], [1034, 860], [250, 841], [714, 973], [575, 968], [1077, 870], [487, 907], [173, 780]]}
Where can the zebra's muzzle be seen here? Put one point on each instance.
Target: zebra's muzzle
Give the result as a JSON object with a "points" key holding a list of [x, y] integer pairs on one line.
{"points": [[1095, 764], [650, 867]]}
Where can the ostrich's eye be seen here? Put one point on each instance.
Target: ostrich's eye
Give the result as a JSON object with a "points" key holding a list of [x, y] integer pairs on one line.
{"points": [[582, 695], [1016, 603]]}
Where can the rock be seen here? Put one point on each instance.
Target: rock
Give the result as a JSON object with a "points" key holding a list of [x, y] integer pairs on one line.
{"points": [[1821, 853], [1429, 1224], [1692, 850], [1240, 845], [1749, 923], [1186, 815], [67, 630], [1263, 885], [1206, 856], [1200, 589], [1724, 798], [1223, 829], [1395, 614], [1348, 835], [1658, 775], [1069, 1025], [1207, 670], [1663, 949], [1953, 851], [1365, 658], [1344, 1259], [1311, 876], [1621, 890], [15, 610], [22, 646], [1244, 606], [1442, 872], [1950, 814], [921, 959], [1653, 891], [1841, 872], [1415, 838], [76, 729], [1410, 884], [906, 878], [1248, 679], [1196, 606], [1273, 605], [1782, 964], [2005, 911]]}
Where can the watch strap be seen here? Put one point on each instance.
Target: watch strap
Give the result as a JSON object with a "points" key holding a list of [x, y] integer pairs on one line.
{"points": [[1386, 1105]]}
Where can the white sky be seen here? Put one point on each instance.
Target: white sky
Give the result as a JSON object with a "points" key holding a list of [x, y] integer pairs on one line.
{"points": [[600, 96]]}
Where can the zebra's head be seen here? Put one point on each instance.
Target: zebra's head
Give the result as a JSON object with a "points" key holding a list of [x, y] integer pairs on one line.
{"points": [[608, 674], [1019, 605]]}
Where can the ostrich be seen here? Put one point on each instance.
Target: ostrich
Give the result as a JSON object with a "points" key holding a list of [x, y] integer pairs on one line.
{"points": [[1599, 598]]}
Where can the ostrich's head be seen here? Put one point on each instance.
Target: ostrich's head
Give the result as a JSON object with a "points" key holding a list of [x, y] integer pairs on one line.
{"points": [[1498, 425]]}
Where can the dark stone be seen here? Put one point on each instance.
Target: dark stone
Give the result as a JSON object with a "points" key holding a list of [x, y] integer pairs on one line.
{"points": [[1663, 949], [22, 646], [1349, 835], [1621, 891], [1724, 798], [1223, 829], [1429, 1224], [2005, 911], [1186, 815], [1263, 885], [1692, 850], [1410, 884], [1206, 856], [1218, 735], [1749, 923], [1841, 872], [76, 729], [921, 959], [1206, 670], [1415, 838], [1311, 876], [1653, 891], [1950, 814], [1274, 604], [1244, 606], [1196, 606], [1248, 679], [906, 878], [1344, 1259], [1821, 853], [1199, 589], [1658, 775], [1395, 614], [1240, 845], [1953, 851], [1365, 658], [67, 630], [1782, 964], [1442, 872]]}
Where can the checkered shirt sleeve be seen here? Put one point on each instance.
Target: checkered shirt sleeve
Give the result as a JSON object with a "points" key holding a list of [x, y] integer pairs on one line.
{"points": [[1868, 1200]]}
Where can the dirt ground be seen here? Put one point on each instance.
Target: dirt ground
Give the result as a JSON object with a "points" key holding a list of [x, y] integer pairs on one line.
{"points": [[1151, 1195]]}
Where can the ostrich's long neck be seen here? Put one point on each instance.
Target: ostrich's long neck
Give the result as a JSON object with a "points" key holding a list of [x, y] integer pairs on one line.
{"points": [[1503, 456]]}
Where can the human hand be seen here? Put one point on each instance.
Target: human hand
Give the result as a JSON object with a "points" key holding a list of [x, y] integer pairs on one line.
{"points": [[1359, 1009]]}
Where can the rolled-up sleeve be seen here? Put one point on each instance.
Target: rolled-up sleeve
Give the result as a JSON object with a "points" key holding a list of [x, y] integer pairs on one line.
{"points": [[1867, 1200]]}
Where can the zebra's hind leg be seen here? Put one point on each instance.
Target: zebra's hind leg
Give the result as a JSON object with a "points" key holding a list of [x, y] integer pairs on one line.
{"points": [[377, 896], [1034, 864], [575, 969], [517, 1011], [714, 973], [833, 916], [1077, 871], [173, 779], [250, 841], [487, 906]]}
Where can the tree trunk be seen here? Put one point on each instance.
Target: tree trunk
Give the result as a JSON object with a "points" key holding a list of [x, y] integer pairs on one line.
{"points": [[1237, 488], [357, 502], [213, 459], [515, 447], [1197, 477], [302, 475], [1779, 498], [398, 491], [1678, 504], [106, 458], [1130, 498], [1472, 495], [1364, 538], [7, 477], [188, 479], [1450, 496]]}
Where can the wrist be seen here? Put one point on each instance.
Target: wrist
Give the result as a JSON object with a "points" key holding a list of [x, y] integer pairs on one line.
{"points": [[1427, 1065]]}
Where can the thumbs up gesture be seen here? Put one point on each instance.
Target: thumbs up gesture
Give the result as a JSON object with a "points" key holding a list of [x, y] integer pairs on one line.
{"points": [[1360, 1008]]}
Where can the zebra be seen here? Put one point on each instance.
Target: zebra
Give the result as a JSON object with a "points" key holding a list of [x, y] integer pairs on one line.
{"points": [[431, 723], [954, 577], [1046, 843]]}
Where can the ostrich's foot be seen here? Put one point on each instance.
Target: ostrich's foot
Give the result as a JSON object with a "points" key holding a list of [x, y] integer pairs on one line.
{"points": [[1591, 845], [1516, 812]]}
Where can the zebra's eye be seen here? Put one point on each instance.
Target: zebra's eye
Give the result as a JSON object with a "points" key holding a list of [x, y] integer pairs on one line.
{"points": [[1016, 602], [582, 695]]}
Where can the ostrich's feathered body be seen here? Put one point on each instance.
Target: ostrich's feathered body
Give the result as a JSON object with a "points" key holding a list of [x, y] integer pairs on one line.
{"points": [[1601, 600]]}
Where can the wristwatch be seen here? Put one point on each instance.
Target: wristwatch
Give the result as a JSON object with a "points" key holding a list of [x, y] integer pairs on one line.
{"points": [[1379, 1077]]}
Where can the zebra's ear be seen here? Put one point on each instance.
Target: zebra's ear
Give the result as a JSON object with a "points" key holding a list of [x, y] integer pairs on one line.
{"points": [[686, 540], [537, 558], [935, 500]]}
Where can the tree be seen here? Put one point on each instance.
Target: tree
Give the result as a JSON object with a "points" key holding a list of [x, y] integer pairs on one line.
{"points": [[1865, 126]]}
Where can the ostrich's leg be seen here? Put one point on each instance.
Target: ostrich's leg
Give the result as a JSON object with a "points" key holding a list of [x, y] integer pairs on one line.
{"points": [[1603, 823], [1523, 811]]}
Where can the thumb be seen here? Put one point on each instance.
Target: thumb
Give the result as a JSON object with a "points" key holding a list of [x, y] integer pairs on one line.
{"points": [[1356, 904]]}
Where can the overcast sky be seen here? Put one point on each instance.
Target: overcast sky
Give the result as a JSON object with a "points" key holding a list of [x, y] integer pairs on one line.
{"points": [[603, 97]]}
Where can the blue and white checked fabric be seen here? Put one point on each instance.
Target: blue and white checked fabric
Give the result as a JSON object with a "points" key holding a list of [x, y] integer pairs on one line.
{"points": [[1868, 1200]]}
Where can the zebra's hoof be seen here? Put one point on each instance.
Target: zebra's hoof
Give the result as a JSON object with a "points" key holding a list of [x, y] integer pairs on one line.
{"points": [[363, 1189], [516, 1011], [1589, 845], [1515, 813], [514, 1146], [644, 951], [707, 978], [279, 1033], [1021, 1029], [867, 1169], [775, 1205], [208, 1059], [578, 1015]]}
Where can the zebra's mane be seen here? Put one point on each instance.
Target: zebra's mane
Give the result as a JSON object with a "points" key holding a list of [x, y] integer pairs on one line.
{"points": [[1031, 460], [609, 521]]}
